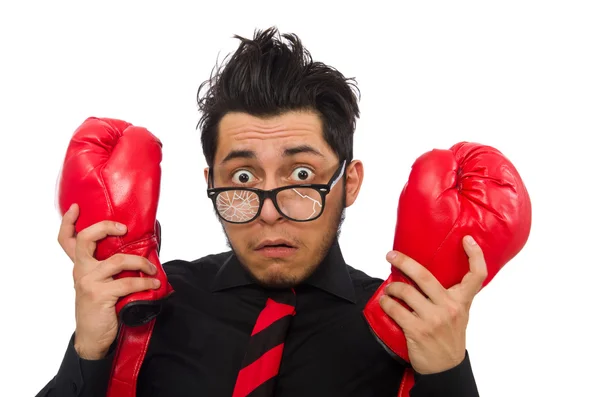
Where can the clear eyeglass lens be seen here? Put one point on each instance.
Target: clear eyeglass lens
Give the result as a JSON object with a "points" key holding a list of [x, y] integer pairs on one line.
{"points": [[300, 203]]}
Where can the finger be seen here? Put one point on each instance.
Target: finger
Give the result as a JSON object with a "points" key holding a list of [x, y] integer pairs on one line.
{"points": [[420, 275], [473, 280], [121, 262], [88, 237], [66, 232], [411, 296], [402, 316], [128, 285]]}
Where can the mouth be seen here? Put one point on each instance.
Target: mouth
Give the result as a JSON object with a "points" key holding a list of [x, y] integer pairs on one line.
{"points": [[276, 249], [267, 244]]}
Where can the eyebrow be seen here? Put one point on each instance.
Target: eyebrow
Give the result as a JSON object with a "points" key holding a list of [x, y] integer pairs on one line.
{"points": [[239, 154], [301, 149], [250, 154]]}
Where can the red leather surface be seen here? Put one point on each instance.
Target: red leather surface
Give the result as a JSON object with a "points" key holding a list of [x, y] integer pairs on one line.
{"points": [[112, 171], [468, 189], [131, 350]]}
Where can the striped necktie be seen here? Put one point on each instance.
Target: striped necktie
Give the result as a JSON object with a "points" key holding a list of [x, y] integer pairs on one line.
{"points": [[263, 355]]}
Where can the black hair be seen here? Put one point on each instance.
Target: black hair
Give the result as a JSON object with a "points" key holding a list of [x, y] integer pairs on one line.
{"points": [[267, 76]]}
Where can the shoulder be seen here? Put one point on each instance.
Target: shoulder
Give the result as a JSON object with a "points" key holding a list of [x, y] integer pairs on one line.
{"points": [[204, 268], [364, 285]]}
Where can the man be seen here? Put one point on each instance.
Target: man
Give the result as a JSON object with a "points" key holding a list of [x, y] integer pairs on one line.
{"points": [[271, 119]]}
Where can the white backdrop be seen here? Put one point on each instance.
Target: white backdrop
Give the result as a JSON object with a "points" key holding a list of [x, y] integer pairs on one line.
{"points": [[523, 76]]}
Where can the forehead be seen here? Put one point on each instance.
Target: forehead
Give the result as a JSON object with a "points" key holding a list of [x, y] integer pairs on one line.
{"points": [[270, 136]]}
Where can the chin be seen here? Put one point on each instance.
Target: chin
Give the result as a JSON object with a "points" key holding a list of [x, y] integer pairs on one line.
{"points": [[277, 282], [278, 275]]}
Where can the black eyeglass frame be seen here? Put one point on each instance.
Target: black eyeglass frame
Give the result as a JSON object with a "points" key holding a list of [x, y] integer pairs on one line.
{"points": [[322, 189]]}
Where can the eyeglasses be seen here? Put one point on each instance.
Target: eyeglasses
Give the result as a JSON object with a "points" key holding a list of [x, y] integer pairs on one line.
{"points": [[298, 203]]}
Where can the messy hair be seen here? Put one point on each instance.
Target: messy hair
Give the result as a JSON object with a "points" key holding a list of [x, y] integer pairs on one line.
{"points": [[272, 74]]}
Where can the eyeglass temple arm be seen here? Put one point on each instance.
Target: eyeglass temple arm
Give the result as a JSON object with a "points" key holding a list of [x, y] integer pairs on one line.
{"points": [[339, 175]]}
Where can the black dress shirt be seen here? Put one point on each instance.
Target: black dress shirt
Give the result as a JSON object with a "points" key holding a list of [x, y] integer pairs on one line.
{"points": [[200, 338]]}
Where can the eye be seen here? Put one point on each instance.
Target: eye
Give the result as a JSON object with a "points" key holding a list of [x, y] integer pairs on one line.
{"points": [[242, 177], [302, 174]]}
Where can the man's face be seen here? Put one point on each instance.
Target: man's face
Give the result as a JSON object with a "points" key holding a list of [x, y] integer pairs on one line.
{"points": [[267, 153]]}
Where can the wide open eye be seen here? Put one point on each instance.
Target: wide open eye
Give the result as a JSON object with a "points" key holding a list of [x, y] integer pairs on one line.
{"points": [[242, 177], [302, 174]]}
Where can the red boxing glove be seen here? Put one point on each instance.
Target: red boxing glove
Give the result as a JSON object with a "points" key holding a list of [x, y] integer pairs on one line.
{"points": [[112, 171], [470, 189]]}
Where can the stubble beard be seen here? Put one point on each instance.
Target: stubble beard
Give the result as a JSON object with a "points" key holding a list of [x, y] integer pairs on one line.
{"points": [[280, 280]]}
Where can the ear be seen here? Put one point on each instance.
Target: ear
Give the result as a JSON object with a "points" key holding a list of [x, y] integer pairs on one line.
{"points": [[354, 178], [206, 175]]}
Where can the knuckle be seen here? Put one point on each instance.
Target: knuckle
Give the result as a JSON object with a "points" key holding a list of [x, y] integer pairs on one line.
{"points": [[400, 259], [76, 273], [84, 236], [384, 302], [454, 311], [429, 332], [417, 273], [112, 264], [142, 264], [107, 266], [117, 260], [77, 286], [94, 296], [142, 283], [81, 284], [435, 322], [128, 285], [395, 289], [106, 225], [134, 260], [131, 282], [151, 269], [81, 260], [404, 289], [388, 305], [434, 327], [405, 264], [394, 311], [149, 284], [480, 276], [81, 236], [484, 270], [421, 277], [411, 292], [141, 261], [84, 286]]}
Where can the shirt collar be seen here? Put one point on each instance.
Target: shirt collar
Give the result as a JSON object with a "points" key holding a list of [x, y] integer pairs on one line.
{"points": [[331, 276]]}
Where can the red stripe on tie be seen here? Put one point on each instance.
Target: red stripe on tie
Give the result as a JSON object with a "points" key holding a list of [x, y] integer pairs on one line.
{"points": [[272, 312], [257, 373]]}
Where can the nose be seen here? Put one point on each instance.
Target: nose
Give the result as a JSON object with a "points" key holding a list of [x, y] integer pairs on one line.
{"points": [[268, 213]]}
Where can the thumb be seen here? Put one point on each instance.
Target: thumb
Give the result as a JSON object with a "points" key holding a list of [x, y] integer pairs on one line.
{"points": [[473, 280], [66, 233], [72, 213]]}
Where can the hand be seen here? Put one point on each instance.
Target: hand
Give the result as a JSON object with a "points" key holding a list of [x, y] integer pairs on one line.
{"points": [[435, 330], [96, 292]]}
